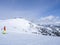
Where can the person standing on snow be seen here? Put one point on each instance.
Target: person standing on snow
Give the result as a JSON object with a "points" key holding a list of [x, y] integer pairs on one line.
{"points": [[4, 32]]}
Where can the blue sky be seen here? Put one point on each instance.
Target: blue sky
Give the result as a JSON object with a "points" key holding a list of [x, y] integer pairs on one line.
{"points": [[29, 9]]}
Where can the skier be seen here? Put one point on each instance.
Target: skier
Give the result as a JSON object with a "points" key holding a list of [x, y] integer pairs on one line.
{"points": [[4, 32], [4, 28]]}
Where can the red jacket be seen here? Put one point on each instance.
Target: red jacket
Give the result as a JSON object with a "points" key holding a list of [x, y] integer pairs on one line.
{"points": [[4, 28]]}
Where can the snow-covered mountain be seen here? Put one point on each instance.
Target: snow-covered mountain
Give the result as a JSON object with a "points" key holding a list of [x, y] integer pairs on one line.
{"points": [[49, 29], [20, 25]]}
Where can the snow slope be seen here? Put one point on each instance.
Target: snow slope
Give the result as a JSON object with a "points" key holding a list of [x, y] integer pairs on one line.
{"points": [[19, 32], [18, 25], [21, 25], [28, 39]]}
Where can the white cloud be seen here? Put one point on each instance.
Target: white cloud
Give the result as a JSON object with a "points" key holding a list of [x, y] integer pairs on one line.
{"points": [[49, 20]]}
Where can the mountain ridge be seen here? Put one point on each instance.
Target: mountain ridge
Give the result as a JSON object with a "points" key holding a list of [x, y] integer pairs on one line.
{"points": [[21, 25]]}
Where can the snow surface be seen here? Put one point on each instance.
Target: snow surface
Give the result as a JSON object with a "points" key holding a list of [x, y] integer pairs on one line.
{"points": [[27, 39], [19, 33], [18, 25]]}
